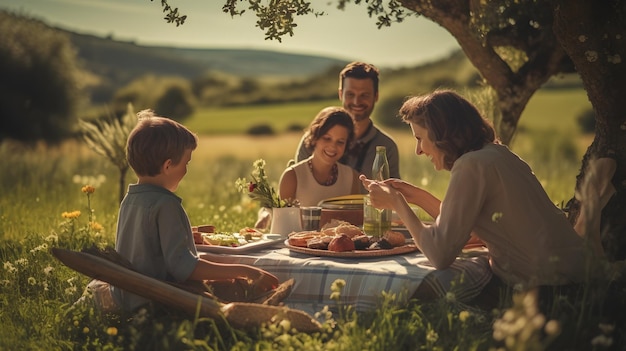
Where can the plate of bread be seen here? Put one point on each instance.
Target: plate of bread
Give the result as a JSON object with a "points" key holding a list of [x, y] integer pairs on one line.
{"points": [[342, 239]]}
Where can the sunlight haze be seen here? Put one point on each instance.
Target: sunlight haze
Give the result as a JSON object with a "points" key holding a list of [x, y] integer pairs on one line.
{"points": [[349, 34]]}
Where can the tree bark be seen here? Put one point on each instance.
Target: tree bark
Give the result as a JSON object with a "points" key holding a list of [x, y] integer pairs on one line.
{"points": [[593, 33]]}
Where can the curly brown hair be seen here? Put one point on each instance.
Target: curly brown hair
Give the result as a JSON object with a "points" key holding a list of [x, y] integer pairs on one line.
{"points": [[454, 124], [327, 118]]}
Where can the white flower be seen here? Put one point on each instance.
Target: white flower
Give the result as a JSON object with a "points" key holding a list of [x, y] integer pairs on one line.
{"points": [[8, 266]]}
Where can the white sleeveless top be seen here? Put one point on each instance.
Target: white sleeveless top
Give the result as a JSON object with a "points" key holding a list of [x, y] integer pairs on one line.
{"points": [[309, 192]]}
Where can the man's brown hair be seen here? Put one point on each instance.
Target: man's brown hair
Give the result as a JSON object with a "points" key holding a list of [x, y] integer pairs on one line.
{"points": [[359, 70]]}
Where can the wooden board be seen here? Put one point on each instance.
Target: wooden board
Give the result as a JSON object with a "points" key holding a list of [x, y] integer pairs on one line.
{"points": [[238, 314]]}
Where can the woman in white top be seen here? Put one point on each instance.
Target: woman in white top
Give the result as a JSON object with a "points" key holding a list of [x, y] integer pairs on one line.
{"points": [[321, 176], [492, 193]]}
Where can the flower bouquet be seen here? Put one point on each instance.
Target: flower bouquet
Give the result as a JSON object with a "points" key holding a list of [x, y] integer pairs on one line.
{"points": [[284, 215], [259, 188]]}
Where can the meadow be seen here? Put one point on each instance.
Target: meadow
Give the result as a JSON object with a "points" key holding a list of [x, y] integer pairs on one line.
{"points": [[43, 206]]}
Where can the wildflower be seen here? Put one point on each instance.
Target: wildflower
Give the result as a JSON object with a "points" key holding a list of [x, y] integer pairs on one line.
{"points": [[285, 324], [32, 280], [48, 270], [70, 215], [42, 247], [85, 330], [112, 331], [95, 226], [338, 285], [8, 266], [450, 296], [21, 262], [88, 189], [52, 238], [70, 290], [432, 336], [463, 316]]}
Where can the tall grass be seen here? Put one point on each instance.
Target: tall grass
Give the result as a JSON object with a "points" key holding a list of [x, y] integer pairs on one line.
{"points": [[41, 187]]}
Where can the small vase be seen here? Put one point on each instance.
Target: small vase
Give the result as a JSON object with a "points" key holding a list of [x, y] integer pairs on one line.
{"points": [[285, 220]]}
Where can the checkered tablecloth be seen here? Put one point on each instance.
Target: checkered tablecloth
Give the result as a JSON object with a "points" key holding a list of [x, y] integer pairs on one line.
{"points": [[365, 278]]}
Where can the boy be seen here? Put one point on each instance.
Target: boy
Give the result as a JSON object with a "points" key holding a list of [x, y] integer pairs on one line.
{"points": [[153, 230]]}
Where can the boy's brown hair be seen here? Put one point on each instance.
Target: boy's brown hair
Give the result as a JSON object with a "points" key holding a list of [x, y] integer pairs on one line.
{"points": [[156, 139]]}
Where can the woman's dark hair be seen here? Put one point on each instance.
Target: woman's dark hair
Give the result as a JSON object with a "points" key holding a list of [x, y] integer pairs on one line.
{"points": [[453, 123], [327, 118]]}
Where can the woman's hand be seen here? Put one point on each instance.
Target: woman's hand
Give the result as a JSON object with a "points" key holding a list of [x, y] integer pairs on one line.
{"points": [[382, 195], [407, 189]]}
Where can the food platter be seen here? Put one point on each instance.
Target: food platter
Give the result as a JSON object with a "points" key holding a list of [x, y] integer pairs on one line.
{"points": [[267, 240], [399, 250]]}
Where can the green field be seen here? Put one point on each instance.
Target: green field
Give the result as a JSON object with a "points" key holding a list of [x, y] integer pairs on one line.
{"points": [[38, 184], [548, 109]]}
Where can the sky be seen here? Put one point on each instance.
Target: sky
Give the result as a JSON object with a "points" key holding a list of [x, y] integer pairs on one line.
{"points": [[349, 34]]}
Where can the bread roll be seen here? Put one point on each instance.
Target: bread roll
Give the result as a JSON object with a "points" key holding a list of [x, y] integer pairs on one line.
{"points": [[349, 229], [341, 243], [300, 239], [394, 238]]}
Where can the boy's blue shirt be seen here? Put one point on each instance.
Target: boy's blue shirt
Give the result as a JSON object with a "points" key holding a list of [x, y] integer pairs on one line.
{"points": [[154, 234]]}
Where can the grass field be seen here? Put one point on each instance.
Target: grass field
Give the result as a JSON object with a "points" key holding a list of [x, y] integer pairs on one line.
{"points": [[41, 188]]}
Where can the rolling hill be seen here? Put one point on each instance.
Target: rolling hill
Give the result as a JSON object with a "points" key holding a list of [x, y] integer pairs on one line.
{"points": [[104, 56]]}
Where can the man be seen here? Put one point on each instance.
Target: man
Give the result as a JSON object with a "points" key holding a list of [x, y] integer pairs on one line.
{"points": [[358, 91]]}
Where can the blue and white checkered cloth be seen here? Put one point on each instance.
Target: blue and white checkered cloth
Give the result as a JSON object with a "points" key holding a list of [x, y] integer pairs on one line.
{"points": [[366, 278]]}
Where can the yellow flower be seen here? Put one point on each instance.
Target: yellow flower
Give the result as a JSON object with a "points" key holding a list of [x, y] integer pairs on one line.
{"points": [[95, 226], [71, 215], [112, 331], [88, 189], [463, 316], [337, 285]]}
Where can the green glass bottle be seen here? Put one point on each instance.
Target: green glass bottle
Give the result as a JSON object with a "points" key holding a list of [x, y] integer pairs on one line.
{"points": [[377, 222]]}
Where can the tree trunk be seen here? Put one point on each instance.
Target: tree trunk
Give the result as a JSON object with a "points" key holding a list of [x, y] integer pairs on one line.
{"points": [[593, 33], [514, 87]]}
